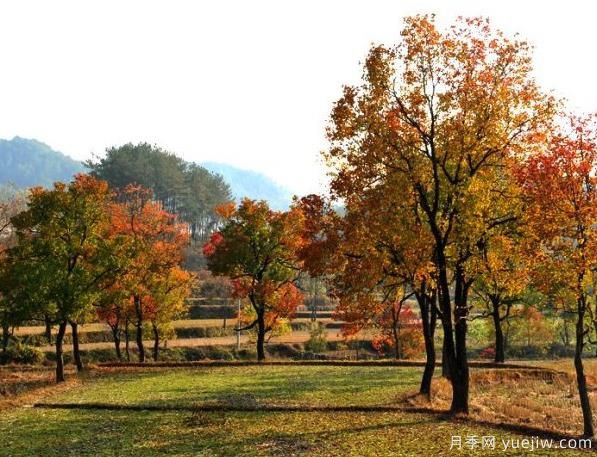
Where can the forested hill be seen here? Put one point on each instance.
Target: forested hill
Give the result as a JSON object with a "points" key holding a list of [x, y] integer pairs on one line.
{"points": [[27, 163], [252, 184]]}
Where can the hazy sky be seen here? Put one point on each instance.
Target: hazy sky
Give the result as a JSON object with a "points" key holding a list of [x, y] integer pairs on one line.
{"points": [[249, 83]]}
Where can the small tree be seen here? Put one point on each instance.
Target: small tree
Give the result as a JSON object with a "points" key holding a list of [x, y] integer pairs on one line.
{"points": [[65, 259], [153, 287], [257, 248]]}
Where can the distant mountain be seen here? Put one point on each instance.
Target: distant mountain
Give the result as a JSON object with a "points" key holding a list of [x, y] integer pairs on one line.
{"points": [[26, 163], [252, 184]]}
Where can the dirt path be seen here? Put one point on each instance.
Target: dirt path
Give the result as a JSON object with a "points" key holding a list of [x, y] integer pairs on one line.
{"points": [[183, 323], [294, 337]]}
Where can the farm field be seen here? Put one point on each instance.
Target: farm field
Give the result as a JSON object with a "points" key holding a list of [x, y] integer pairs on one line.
{"points": [[246, 411]]}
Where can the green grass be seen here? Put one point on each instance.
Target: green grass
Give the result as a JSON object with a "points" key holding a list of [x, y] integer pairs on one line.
{"points": [[78, 432]]}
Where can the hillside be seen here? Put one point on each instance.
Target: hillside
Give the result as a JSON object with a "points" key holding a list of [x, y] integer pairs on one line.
{"points": [[252, 184], [25, 163]]}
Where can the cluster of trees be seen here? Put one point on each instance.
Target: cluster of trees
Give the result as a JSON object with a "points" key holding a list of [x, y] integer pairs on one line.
{"points": [[465, 186], [185, 189], [79, 251]]}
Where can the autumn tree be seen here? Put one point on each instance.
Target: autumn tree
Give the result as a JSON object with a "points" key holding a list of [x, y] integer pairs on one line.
{"points": [[64, 260], [561, 184], [440, 114], [257, 248], [153, 286]]}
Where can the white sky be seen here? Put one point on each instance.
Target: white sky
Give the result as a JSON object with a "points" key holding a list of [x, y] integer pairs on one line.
{"points": [[244, 82]]}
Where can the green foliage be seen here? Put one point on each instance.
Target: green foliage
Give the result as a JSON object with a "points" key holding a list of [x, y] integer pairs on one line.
{"points": [[22, 353], [183, 188]]}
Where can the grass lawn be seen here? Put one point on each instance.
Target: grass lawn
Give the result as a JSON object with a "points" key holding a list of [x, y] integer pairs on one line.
{"points": [[186, 432]]}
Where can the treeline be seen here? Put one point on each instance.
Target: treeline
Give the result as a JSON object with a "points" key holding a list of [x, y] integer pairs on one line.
{"points": [[182, 188]]}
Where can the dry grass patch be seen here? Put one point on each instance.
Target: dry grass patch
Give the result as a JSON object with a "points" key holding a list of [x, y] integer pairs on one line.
{"points": [[543, 399], [25, 385]]}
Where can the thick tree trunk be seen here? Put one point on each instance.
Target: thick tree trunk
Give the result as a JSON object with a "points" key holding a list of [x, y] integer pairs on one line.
{"points": [[139, 327], [428, 320], [460, 373], [580, 373], [445, 361], [59, 352], [260, 335], [76, 352], [454, 341], [156, 342]]}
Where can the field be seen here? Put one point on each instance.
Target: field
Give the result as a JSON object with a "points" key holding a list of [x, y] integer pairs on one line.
{"points": [[252, 410]]}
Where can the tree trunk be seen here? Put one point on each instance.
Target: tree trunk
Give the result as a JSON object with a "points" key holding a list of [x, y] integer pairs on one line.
{"points": [[5, 337], [260, 335], [127, 340], [499, 334], [59, 353], [454, 341], [396, 334], [428, 320], [156, 342], [445, 365], [580, 374], [139, 326], [48, 331], [116, 338], [76, 352], [460, 371]]}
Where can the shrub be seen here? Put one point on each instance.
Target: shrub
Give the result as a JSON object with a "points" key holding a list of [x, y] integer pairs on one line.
{"points": [[487, 353], [317, 341], [22, 353]]}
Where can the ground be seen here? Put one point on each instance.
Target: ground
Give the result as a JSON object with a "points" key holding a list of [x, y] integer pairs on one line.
{"points": [[240, 411]]}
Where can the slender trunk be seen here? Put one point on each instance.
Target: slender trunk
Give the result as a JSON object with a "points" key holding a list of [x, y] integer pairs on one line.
{"points": [[127, 340], [48, 331], [428, 320], [396, 332], [499, 334], [580, 373], [139, 326], [156, 341], [116, 337], [5, 336], [59, 353], [76, 352], [260, 335]]}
